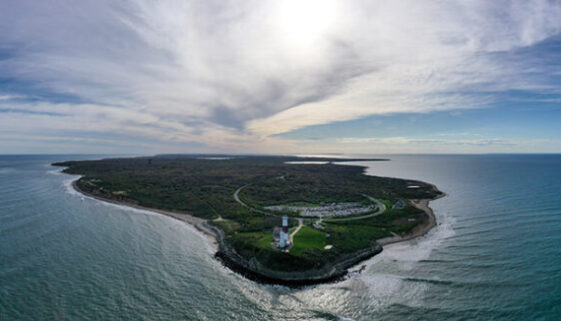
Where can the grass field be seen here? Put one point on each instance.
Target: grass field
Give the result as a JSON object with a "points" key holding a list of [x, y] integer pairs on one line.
{"points": [[349, 238], [263, 240], [308, 239], [388, 203], [228, 226]]}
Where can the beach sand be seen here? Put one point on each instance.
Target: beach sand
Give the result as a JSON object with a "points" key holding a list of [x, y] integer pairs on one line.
{"points": [[198, 223]]}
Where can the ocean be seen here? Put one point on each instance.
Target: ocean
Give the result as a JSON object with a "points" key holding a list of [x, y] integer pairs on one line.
{"points": [[495, 254]]}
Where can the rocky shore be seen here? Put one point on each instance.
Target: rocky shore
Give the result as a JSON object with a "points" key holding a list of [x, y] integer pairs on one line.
{"points": [[254, 270]]}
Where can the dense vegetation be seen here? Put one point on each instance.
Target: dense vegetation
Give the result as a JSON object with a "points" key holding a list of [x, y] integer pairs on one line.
{"points": [[205, 187]]}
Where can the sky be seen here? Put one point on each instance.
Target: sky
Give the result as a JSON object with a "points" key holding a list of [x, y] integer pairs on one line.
{"points": [[282, 77]]}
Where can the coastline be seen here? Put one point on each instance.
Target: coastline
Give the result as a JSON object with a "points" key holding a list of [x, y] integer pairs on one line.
{"points": [[423, 205], [198, 223], [253, 270]]}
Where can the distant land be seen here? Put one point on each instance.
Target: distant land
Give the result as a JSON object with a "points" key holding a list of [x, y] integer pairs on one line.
{"points": [[335, 216]]}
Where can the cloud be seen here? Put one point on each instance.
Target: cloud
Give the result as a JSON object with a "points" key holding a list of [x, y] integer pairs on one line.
{"points": [[230, 74], [390, 145], [404, 140], [433, 56], [8, 97]]}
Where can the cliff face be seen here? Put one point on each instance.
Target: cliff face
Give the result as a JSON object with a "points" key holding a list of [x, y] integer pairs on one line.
{"points": [[254, 270]]}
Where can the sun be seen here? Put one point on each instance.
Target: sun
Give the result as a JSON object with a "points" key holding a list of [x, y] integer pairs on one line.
{"points": [[305, 23]]}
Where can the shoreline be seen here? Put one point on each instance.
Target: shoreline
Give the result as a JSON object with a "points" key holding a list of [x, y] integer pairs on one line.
{"points": [[423, 205], [254, 271], [198, 223]]}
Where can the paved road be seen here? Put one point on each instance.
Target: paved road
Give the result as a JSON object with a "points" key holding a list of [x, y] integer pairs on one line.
{"points": [[237, 198]]}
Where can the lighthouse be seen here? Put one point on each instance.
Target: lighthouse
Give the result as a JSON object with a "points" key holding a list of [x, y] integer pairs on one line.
{"points": [[284, 236]]}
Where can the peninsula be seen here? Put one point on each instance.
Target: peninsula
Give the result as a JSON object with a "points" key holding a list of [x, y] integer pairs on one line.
{"points": [[276, 219]]}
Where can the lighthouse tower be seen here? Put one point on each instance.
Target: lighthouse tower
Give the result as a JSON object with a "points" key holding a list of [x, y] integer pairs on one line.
{"points": [[284, 236]]}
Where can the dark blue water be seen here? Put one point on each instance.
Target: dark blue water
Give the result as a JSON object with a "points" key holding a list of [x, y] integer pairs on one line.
{"points": [[496, 254]]}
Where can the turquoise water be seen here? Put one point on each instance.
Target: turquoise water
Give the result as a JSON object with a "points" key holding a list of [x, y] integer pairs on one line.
{"points": [[495, 255]]}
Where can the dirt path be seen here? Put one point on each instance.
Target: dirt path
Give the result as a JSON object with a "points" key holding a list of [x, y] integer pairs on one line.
{"points": [[300, 224]]}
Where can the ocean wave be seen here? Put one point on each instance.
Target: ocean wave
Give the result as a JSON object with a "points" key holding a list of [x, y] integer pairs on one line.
{"points": [[388, 275], [384, 290], [8, 170], [72, 191], [431, 281], [56, 171]]}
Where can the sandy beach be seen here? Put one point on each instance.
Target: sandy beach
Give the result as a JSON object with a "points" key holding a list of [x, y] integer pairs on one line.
{"points": [[198, 223], [421, 230]]}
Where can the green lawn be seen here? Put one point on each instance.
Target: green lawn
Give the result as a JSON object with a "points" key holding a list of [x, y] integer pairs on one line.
{"points": [[349, 238], [264, 240], [227, 225], [388, 203], [308, 239]]}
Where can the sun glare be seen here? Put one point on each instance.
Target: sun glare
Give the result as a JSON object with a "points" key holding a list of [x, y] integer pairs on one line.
{"points": [[304, 23]]}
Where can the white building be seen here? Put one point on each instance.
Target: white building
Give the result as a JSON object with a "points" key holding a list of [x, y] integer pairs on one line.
{"points": [[284, 240]]}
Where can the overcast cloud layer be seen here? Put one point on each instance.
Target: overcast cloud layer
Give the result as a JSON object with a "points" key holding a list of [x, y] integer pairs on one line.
{"points": [[182, 76]]}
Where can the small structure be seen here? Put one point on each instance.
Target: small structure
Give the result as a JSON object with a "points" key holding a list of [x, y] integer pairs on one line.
{"points": [[276, 234], [398, 205], [281, 235]]}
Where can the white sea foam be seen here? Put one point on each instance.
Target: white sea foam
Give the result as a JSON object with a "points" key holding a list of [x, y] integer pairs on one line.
{"points": [[385, 273], [57, 171], [69, 188], [420, 248]]}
